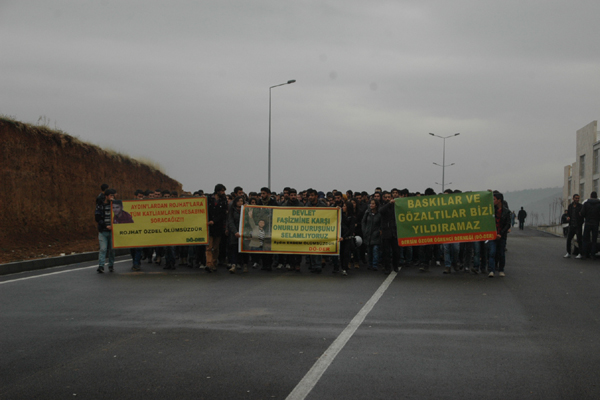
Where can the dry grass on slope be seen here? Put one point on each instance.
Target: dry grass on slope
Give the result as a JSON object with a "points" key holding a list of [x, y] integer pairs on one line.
{"points": [[64, 138]]}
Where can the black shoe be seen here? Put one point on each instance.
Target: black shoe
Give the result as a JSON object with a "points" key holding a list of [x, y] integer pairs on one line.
{"points": [[396, 269], [100, 270], [111, 269]]}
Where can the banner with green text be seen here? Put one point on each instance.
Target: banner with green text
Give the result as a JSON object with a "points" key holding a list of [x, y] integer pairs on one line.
{"points": [[446, 218], [289, 230], [160, 222]]}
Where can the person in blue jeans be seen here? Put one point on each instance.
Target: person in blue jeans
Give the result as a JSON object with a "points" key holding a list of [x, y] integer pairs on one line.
{"points": [[451, 251], [103, 218]]}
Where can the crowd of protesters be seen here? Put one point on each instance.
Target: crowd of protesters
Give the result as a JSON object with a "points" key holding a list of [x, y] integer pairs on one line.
{"points": [[370, 217]]}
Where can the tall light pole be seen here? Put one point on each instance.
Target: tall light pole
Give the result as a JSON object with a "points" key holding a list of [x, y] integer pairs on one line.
{"points": [[444, 157], [281, 84]]}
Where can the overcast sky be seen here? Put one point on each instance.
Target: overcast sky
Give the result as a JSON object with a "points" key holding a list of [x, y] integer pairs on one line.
{"points": [[186, 84]]}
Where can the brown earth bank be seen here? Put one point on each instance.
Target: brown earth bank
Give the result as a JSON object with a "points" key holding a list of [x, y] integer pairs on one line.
{"points": [[50, 181], [46, 247]]}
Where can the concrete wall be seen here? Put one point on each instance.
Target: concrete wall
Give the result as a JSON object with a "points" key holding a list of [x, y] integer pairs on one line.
{"points": [[585, 143]]}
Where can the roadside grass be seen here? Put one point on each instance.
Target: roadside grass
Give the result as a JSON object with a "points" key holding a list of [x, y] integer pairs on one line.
{"points": [[43, 127]]}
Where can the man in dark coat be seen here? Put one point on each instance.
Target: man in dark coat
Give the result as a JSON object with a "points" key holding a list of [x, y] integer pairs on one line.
{"points": [[314, 260], [389, 235], [498, 246], [575, 225], [521, 217], [217, 220], [591, 214]]}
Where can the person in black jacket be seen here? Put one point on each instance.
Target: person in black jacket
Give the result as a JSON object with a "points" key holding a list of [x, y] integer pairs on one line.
{"points": [[291, 261], [217, 220], [521, 217], [233, 223], [347, 235], [564, 220], [498, 246], [575, 224], [371, 228], [590, 211], [390, 251], [362, 206], [314, 260]]}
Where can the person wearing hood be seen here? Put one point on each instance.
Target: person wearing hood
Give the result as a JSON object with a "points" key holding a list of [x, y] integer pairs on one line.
{"points": [[591, 214]]}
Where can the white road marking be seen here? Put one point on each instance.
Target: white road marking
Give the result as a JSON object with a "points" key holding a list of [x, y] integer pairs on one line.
{"points": [[304, 387], [54, 273]]}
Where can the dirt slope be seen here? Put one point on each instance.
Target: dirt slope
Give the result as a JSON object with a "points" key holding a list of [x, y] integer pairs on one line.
{"points": [[49, 183]]}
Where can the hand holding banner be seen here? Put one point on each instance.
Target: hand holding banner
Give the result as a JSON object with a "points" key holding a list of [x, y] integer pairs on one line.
{"points": [[447, 218], [290, 230], [160, 222]]}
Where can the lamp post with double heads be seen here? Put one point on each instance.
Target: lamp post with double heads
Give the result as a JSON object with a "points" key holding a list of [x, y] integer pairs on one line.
{"points": [[444, 157], [281, 84]]}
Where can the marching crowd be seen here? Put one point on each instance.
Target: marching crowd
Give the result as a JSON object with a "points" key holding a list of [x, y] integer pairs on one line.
{"points": [[370, 217]]}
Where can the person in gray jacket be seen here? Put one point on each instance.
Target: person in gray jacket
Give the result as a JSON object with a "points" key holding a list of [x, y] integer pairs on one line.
{"points": [[371, 229]]}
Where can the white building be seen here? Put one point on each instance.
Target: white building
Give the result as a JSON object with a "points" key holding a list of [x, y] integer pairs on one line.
{"points": [[582, 177]]}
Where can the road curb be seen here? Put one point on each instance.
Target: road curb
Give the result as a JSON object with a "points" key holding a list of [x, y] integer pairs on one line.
{"points": [[549, 232], [42, 263]]}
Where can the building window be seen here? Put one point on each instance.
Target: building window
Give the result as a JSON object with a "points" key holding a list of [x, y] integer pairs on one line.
{"points": [[582, 190], [595, 185], [596, 161], [582, 166]]}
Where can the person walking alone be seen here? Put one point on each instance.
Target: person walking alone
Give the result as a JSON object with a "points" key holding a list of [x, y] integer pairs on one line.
{"points": [[521, 217]]}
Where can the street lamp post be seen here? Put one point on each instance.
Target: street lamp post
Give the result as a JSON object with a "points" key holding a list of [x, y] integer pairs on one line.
{"points": [[444, 157], [281, 84]]}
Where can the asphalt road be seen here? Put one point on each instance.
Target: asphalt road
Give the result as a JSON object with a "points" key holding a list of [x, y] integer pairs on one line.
{"points": [[72, 333]]}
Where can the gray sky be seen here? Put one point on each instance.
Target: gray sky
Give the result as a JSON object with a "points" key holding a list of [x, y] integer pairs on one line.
{"points": [[186, 84]]}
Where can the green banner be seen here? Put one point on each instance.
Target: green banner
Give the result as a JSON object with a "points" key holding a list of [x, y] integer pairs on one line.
{"points": [[446, 218]]}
